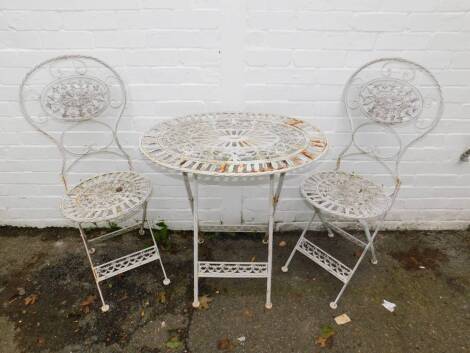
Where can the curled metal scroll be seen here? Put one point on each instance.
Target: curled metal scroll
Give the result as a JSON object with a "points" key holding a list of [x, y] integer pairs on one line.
{"points": [[79, 66], [404, 72]]}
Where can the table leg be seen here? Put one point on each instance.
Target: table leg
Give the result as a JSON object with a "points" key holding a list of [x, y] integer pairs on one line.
{"points": [[187, 184], [273, 201], [269, 304], [193, 197], [196, 243], [274, 194]]}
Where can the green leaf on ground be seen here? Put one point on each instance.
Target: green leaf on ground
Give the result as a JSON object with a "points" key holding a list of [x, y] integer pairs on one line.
{"points": [[174, 343], [327, 331], [162, 234]]}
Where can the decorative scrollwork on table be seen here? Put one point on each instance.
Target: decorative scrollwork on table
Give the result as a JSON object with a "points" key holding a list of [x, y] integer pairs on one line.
{"points": [[232, 269], [233, 144]]}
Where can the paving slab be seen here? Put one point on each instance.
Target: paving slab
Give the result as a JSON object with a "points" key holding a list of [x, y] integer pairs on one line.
{"points": [[49, 302]]}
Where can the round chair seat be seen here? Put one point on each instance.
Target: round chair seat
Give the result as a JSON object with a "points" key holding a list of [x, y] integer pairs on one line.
{"points": [[345, 195], [106, 196]]}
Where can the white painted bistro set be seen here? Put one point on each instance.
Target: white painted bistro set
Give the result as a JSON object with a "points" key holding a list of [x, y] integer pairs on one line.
{"points": [[390, 103]]}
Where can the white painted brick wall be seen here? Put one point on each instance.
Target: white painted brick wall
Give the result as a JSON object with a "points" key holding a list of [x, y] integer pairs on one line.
{"points": [[281, 56]]}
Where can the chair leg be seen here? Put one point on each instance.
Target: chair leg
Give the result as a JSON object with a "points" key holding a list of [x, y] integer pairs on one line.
{"points": [[331, 234], [285, 268], [334, 304], [144, 218], [370, 245], [104, 307], [373, 259], [166, 281]]}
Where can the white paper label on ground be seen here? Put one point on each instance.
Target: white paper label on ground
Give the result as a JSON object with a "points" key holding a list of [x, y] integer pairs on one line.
{"points": [[342, 319], [389, 305]]}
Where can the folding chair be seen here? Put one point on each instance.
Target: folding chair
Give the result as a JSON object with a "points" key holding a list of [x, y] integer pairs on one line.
{"points": [[75, 98], [391, 103]]}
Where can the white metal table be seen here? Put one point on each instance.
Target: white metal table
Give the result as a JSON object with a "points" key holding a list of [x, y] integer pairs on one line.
{"points": [[233, 145]]}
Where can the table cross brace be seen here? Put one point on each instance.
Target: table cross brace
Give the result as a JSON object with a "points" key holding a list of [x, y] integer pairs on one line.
{"points": [[233, 269]]}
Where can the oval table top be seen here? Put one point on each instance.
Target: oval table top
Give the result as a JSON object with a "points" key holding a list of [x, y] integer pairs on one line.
{"points": [[233, 144]]}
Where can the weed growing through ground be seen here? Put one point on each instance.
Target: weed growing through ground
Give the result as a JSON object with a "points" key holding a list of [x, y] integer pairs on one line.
{"points": [[162, 234]]}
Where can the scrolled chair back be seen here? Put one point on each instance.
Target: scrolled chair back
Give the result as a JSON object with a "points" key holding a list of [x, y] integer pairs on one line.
{"points": [[391, 104], [77, 102]]}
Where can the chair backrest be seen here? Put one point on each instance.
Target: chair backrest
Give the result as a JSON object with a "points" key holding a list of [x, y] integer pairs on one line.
{"points": [[77, 102], [391, 103]]}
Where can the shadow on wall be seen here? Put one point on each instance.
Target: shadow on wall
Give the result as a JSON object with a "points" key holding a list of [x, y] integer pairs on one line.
{"points": [[465, 157]]}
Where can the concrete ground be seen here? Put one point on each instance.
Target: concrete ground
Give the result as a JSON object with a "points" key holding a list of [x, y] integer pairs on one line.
{"points": [[49, 304]]}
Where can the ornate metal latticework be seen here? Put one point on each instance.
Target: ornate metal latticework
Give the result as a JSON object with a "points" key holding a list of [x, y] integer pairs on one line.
{"points": [[390, 101], [391, 104], [233, 144], [126, 263], [401, 102], [60, 98], [75, 98], [346, 195], [233, 269], [106, 197], [325, 260]]}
